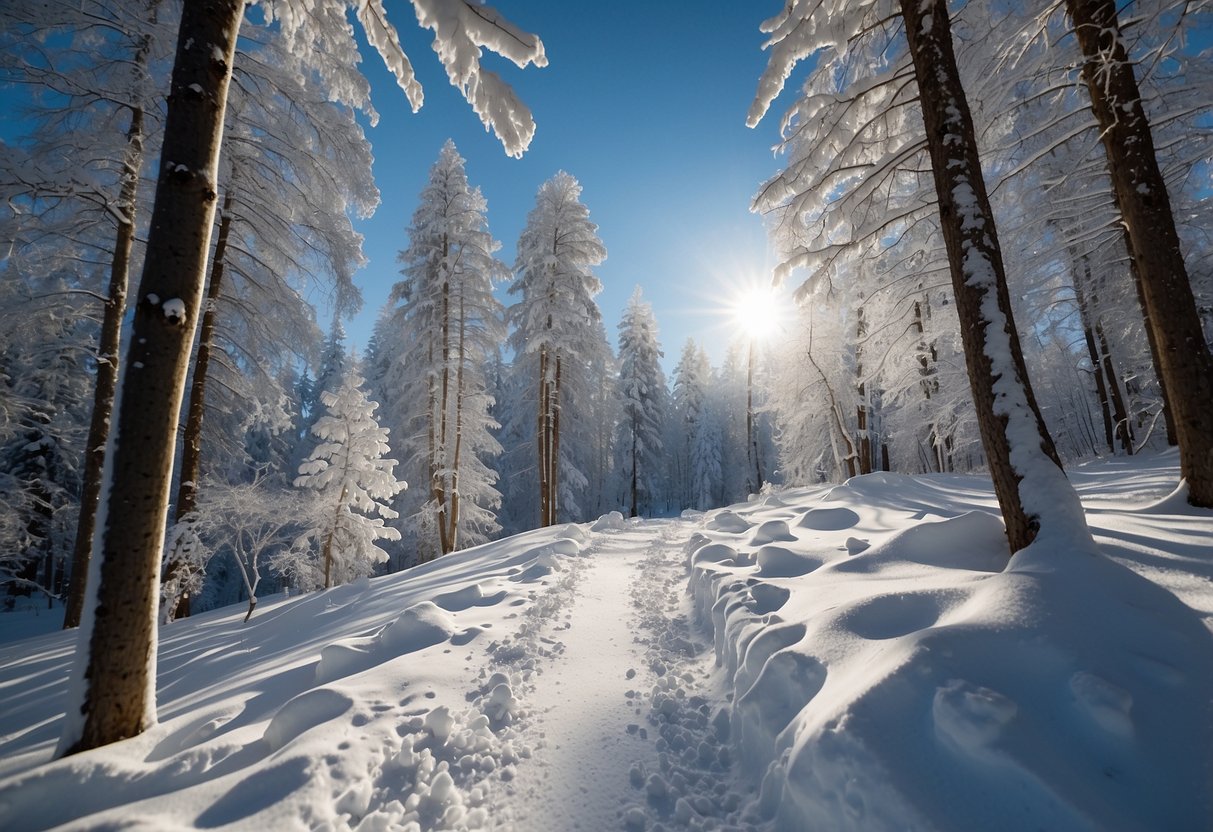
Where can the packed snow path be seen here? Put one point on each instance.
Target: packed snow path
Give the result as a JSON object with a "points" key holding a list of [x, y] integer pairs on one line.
{"points": [[583, 703], [626, 689]]}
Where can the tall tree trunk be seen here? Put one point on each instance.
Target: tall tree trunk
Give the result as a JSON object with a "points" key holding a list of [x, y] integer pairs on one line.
{"points": [[554, 460], [1168, 415], [108, 345], [453, 528], [191, 445], [432, 417], [1085, 315], [328, 541], [114, 681], [1120, 412], [542, 436], [751, 429], [992, 351], [442, 462], [635, 464], [1185, 365], [861, 391]]}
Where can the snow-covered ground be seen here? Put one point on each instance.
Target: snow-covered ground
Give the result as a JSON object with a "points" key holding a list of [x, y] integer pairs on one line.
{"points": [[852, 657]]}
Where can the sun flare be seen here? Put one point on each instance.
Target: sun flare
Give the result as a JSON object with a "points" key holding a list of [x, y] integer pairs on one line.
{"points": [[758, 313]]}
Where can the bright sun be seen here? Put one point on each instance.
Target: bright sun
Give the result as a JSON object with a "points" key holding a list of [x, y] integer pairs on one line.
{"points": [[757, 313]]}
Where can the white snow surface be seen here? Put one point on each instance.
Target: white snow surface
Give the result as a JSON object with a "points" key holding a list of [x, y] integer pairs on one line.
{"points": [[864, 656]]}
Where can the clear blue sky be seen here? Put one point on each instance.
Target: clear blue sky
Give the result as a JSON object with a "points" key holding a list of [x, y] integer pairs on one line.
{"points": [[643, 102]]}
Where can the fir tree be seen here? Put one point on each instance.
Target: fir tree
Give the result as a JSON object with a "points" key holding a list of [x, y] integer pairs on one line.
{"points": [[556, 328], [351, 481], [438, 346], [642, 391]]}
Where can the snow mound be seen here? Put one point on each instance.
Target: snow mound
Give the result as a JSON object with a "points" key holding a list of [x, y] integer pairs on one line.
{"points": [[304, 712], [612, 521], [573, 532], [772, 531], [778, 562], [728, 521], [975, 540], [472, 595], [829, 519], [714, 553], [420, 626]]}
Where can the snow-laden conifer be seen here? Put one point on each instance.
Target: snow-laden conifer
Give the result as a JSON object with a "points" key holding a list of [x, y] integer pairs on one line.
{"points": [[557, 333], [693, 427], [436, 350], [352, 483], [643, 395]]}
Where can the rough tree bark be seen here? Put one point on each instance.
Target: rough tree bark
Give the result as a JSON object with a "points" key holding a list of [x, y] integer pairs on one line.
{"points": [[113, 686], [972, 244], [1185, 365]]}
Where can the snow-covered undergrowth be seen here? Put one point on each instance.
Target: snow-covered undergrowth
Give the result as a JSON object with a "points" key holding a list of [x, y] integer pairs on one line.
{"points": [[854, 657]]}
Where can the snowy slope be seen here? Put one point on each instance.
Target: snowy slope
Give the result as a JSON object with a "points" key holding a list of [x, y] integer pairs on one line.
{"points": [[853, 657]]}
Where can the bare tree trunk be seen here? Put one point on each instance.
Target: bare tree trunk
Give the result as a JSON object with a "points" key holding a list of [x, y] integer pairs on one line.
{"points": [[554, 461], [861, 390], [453, 532], [328, 542], [116, 678], [442, 463], [1168, 415], [836, 411], [751, 431], [191, 445], [1185, 365], [972, 243], [1120, 412], [635, 465], [1085, 315], [542, 436]]}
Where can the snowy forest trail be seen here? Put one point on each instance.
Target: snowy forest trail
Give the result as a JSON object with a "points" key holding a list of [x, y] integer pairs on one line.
{"points": [[597, 709]]}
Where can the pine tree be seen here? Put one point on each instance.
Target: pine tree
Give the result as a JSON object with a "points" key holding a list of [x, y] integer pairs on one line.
{"points": [[642, 391], [555, 322], [351, 481], [439, 344]]}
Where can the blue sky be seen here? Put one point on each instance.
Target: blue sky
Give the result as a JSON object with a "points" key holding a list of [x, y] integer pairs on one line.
{"points": [[645, 103]]}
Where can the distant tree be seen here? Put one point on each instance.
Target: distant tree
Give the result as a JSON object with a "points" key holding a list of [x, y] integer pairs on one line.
{"points": [[643, 395], [113, 684], [252, 522], [46, 382], [705, 462], [689, 405], [555, 320], [437, 347], [351, 482]]}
